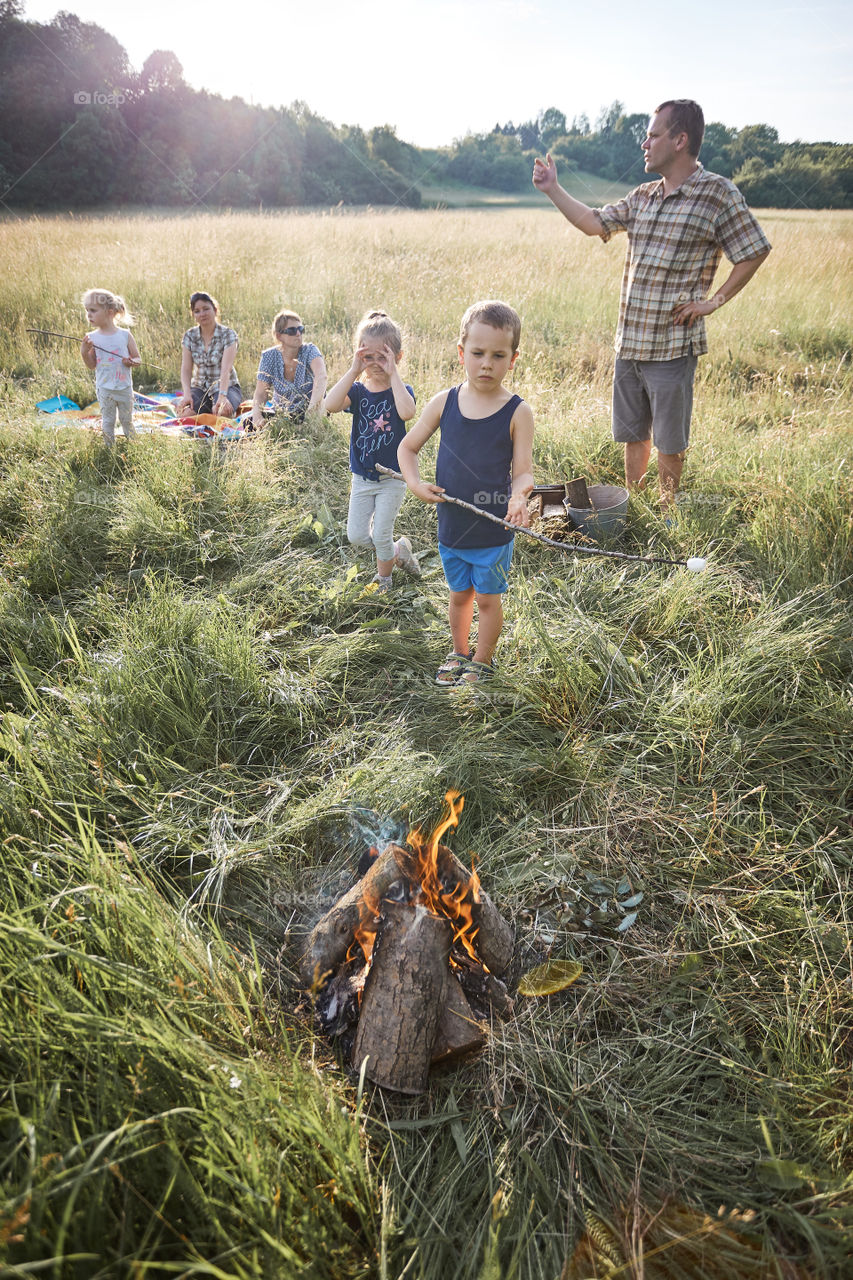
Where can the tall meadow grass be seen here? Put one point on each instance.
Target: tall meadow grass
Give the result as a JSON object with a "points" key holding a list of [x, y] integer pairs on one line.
{"points": [[205, 717]]}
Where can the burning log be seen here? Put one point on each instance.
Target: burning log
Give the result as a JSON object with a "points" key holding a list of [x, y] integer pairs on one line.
{"points": [[332, 936], [404, 996], [494, 937]]}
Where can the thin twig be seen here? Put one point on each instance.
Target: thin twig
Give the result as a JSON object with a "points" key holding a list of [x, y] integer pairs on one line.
{"points": [[70, 337], [540, 537]]}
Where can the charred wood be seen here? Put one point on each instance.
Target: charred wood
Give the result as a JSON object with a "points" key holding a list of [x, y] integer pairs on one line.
{"points": [[331, 937], [485, 991]]}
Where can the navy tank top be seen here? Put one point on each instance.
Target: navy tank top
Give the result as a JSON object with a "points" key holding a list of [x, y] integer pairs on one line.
{"points": [[474, 463]]}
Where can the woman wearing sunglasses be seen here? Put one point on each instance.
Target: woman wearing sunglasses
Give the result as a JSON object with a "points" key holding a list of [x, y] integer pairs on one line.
{"points": [[293, 370]]}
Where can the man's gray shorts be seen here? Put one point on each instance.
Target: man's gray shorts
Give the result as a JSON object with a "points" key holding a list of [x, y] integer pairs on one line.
{"points": [[654, 398]]}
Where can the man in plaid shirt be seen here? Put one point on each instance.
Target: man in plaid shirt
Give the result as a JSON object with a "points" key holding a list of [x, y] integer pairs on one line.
{"points": [[677, 230]]}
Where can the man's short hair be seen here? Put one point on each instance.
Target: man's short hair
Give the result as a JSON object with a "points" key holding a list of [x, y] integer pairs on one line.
{"points": [[685, 116], [499, 315]]}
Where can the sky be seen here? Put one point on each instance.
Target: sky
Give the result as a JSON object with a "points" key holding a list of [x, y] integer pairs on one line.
{"points": [[436, 70]]}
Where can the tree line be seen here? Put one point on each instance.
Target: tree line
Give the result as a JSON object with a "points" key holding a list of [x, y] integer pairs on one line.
{"points": [[816, 175], [79, 127]]}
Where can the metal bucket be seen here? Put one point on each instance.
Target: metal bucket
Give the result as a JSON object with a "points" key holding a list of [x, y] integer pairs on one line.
{"points": [[605, 519]]}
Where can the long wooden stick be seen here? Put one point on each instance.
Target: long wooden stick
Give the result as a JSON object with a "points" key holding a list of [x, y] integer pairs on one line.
{"points": [[569, 547], [70, 337]]}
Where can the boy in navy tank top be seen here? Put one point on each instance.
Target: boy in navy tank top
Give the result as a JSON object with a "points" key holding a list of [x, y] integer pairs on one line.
{"points": [[485, 457]]}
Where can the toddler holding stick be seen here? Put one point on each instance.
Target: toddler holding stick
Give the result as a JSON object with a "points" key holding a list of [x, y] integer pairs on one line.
{"points": [[112, 353]]}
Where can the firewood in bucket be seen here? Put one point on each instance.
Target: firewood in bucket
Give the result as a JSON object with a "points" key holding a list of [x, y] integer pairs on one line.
{"points": [[404, 995], [578, 494]]}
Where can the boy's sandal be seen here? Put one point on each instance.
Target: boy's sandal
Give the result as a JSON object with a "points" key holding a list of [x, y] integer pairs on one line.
{"points": [[453, 667], [475, 672]]}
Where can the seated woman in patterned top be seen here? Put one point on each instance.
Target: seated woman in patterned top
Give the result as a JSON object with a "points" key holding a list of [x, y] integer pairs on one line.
{"points": [[208, 381], [293, 370]]}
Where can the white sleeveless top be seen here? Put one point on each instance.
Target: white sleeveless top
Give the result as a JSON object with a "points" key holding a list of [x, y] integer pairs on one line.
{"points": [[110, 349]]}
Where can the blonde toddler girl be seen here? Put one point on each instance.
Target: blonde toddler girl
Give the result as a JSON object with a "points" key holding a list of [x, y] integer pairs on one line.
{"points": [[112, 353], [381, 404]]}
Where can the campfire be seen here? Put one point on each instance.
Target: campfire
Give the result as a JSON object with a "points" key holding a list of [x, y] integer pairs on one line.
{"points": [[407, 966]]}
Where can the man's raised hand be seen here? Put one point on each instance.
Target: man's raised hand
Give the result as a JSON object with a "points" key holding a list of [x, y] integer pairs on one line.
{"points": [[544, 174]]}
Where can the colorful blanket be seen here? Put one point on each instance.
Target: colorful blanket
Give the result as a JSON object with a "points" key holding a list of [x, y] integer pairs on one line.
{"points": [[150, 414]]}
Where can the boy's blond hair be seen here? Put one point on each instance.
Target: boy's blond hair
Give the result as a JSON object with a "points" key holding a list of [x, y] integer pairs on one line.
{"points": [[499, 315], [379, 325], [112, 302]]}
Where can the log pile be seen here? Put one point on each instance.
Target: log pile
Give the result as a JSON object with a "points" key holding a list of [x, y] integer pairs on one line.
{"points": [[406, 967]]}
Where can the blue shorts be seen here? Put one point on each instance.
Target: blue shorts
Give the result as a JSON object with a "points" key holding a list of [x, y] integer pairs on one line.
{"points": [[486, 569]]}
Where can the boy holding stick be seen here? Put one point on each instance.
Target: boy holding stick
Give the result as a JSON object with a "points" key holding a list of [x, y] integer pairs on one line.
{"points": [[486, 458]]}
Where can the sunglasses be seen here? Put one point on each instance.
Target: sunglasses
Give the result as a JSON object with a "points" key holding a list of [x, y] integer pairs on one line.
{"points": [[292, 330]]}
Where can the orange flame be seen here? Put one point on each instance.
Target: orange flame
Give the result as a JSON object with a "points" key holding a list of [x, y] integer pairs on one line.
{"points": [[368, 922], [456, 902], [437, 883]]}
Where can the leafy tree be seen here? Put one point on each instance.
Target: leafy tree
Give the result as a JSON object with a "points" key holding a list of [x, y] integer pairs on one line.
{"points": [[161, 73], [633, 126], [87, 165], [552, 124], [527, 135], [795, 182], [158, 175], [755, 142], [384, 144], [718, 138], [490, 160], [276, 163], [78, 126], [608, 117], [10, 11]]}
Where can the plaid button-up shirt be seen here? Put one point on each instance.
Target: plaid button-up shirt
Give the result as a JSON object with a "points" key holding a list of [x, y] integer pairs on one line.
{"points": [[674, 248], [207, 361]]}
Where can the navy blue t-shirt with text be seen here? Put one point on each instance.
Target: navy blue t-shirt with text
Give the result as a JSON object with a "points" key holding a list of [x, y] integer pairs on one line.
{"points": [[377, 430]]}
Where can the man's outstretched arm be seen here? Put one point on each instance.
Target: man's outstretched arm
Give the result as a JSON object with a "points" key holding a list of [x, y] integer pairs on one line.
{"points": [[580, 215]]}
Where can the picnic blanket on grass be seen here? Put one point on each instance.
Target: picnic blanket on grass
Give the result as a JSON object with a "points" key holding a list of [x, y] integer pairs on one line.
{"points": [[150, 414]]}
